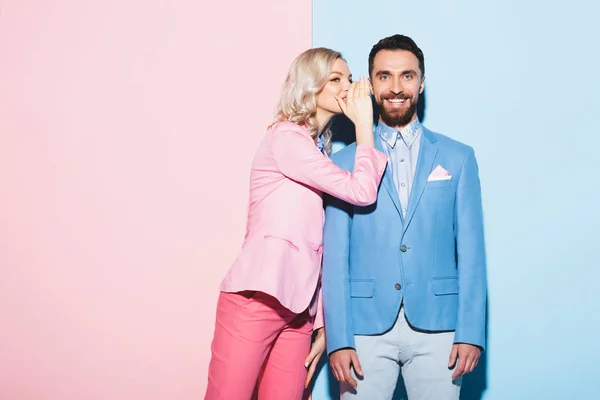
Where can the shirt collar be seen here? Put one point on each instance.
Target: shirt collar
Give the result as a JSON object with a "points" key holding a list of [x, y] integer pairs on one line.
{"points": [[409, 133], [320, 142]]}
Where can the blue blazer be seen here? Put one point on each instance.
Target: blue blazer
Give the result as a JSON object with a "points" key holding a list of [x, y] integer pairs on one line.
{"points": [[433, 260]]}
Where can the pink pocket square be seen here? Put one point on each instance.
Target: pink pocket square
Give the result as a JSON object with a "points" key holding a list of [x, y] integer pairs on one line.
{"points": [[439, 174]]}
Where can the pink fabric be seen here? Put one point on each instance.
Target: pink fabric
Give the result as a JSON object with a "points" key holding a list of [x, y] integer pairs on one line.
{"points": [[439, 173], [252, 329], [281, 254], [319, 317]]}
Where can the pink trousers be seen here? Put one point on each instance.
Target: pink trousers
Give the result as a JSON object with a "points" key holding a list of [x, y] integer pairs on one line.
{"points": [[258, 349]]}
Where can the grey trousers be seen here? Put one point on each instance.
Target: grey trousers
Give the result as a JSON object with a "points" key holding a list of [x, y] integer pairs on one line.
{"points": [[423, 358]]}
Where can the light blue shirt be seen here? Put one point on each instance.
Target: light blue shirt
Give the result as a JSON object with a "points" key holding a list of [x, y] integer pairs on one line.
{"points": [[320, 142], [402, 149]]}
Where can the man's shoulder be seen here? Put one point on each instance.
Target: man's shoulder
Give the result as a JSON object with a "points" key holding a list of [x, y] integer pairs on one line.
{"points": [[448, 143], [345, 157]]}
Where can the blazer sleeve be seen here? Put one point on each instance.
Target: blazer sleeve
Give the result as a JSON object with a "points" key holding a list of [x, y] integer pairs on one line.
{"points": [[470, 249], [299, 159], [336, 275]]}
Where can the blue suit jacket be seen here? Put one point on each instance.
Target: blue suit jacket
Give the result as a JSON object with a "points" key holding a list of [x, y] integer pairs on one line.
{"points": [[433, 260]]}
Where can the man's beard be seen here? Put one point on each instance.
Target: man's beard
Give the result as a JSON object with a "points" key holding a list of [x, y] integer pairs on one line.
{"points": [[398, 117]]}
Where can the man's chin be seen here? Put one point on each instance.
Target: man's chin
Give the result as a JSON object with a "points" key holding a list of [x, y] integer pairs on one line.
{"points": [[396, 114], [396, 118]]}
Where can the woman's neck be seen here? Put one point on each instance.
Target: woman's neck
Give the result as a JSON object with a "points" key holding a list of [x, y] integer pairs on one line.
{"points": [[323, 118]]}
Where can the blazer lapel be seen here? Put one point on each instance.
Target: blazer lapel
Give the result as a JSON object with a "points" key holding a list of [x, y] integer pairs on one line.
{"points": [[388, 181], [427, 153]]}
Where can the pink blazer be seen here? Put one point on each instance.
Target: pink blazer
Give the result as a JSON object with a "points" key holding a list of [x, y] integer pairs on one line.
{"points": [[281, 254]]}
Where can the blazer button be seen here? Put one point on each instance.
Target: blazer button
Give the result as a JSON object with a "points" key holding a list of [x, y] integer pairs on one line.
{"points": [[398, 286], [403, 248]]}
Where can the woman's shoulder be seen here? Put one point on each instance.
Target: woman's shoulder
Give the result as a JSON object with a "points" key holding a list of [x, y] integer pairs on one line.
{"points": [[288, 127]]}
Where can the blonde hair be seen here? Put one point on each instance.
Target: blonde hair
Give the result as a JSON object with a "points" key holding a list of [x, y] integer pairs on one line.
{"points": [[307, 76]]}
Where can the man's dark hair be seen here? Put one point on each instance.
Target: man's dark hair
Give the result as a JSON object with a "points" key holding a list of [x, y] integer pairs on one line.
{"points": [[397, 42]]}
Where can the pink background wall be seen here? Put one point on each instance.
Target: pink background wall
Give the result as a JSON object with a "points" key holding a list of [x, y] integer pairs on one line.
{"points": [[127, 128]]}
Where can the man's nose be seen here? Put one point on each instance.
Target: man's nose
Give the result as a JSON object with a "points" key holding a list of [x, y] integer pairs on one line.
{"points": [[397, 87]]}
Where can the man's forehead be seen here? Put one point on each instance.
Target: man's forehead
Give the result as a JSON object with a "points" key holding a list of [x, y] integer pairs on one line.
{"points": [[393, 60]]}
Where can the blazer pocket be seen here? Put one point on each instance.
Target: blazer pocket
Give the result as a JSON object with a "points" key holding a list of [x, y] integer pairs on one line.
{"points": [[287, 241], [362, 288], [445, 286], [439, 184]]}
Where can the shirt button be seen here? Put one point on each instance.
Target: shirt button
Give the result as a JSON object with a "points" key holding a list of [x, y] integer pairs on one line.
{"points": [[403, 184], [398, 286], [402, 160], [403, 248]]}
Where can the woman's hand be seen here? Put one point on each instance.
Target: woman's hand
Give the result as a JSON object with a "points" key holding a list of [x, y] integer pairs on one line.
{"points": [[358, 106], [316, 351]]}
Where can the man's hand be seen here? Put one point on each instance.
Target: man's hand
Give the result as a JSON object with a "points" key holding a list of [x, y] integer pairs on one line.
{"points": [[468, 357], [316, 350], [340, 362]]}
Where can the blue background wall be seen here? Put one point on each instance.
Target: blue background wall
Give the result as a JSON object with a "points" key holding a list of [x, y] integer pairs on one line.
{"points": [[518, 81]]}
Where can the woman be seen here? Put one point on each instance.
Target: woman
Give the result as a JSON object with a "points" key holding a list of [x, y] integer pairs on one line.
{"points": [[270, 301]]}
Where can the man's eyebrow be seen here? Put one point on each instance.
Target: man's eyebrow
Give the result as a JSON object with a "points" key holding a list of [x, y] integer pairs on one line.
{"points": [[408, 71]]}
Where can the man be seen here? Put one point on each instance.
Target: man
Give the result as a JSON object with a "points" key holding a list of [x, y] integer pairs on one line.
{"points": [[404, 280]]}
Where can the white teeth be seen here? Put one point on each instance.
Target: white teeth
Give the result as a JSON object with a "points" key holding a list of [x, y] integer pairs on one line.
{"points": [[397, 101]]}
